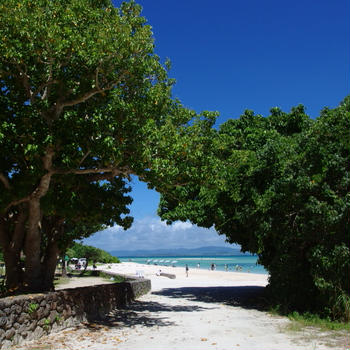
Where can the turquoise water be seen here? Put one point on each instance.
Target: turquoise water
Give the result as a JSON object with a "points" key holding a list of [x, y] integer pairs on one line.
{"points": [[246, 263]]}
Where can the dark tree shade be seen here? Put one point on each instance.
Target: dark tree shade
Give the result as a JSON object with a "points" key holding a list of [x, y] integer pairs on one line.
{"points": [[279, 186]]}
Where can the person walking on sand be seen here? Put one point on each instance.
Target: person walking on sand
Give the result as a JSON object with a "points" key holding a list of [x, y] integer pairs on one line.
{"points": [[186, 270]]}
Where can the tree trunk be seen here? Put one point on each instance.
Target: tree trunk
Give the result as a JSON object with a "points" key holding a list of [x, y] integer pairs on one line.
{"points": [[14, 272], [85, 267], [32, 274], [64, 265], [52, 230], [49, 266], [12, 246]]}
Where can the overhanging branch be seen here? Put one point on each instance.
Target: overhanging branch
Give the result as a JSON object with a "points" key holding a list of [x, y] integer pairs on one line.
{"points": [[5, 181]]}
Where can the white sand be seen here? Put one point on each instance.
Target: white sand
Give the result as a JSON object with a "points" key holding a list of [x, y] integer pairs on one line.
{"points": [[202, 311], [197, 277]]}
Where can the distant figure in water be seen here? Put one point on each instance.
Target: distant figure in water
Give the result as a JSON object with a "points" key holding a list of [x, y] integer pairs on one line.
{"points": [[226, 267], [198, 265], [186, 270]]}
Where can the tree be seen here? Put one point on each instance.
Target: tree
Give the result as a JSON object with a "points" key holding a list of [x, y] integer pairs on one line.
{"points": [[279, 187], [76, 209], [91, 253], [81, 91]]}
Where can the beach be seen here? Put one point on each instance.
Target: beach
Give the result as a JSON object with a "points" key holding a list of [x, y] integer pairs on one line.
{"points": [[197, 277], [231, 263], [207, 310]]}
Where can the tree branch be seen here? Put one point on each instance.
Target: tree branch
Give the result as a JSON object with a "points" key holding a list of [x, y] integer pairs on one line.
{"points": [[116, 171], [44, 183], [84, 157], [5, 181], [17, 202], [42, 86], [96, 78], [4, 238], [25, 80], [81, 99], [96, 90], [17, 238], [47, 159]]}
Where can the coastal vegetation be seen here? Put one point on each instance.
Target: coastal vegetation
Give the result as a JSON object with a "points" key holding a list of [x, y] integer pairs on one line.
{"points": [[92, 254], [279, 187], [83, 97], [86, 103], [300, 321]]}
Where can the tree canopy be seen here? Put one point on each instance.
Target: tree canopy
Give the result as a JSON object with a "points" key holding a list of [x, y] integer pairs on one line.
{"points": [[78, 250], [83, 97], [279, 187]]}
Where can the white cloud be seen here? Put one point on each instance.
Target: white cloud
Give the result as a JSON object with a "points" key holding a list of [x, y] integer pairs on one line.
{"points": [[151, 233], [179, 225]]}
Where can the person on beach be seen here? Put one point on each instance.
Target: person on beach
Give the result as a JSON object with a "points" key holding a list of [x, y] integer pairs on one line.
{"points": [[198, 265], [186, 270]]}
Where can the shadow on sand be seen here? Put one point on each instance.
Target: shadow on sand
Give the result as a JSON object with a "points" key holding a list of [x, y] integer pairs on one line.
{"points": [[149, 313], [144, 313], [248, 297]]}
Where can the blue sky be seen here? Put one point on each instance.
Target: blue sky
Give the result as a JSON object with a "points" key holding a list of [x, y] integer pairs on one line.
{"points": [[232, 55]]}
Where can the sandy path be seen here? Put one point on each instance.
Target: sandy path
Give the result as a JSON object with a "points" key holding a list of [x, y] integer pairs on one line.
{"points": [[208, 310]]}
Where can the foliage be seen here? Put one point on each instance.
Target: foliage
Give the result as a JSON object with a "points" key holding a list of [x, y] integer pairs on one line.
{"points": [[312, 320], [279, 186], [114, 278], [85, 103], [32, 307], [3, 289], [87, 207], [79, 250]]}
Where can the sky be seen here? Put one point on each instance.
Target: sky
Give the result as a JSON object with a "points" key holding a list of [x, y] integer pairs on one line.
{"points": [[233, 55]]}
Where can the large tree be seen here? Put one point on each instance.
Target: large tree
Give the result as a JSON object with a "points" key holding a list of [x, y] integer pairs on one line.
{"points": [[81, 92], [279, 186]]}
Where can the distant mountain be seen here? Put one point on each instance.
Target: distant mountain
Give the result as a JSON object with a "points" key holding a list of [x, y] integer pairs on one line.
{"points": [[203, 251]]}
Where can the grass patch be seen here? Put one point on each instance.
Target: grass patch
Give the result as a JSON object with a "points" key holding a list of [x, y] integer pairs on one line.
{"points": [[313, 329], [116, 279], [82, 273], [301, 321], [60, 280]]}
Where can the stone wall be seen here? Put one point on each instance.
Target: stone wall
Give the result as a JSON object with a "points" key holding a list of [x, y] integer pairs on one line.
{"points": [[28, 317]]}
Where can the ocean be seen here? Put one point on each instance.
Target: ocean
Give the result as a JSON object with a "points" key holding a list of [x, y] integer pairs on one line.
{"points": [[239, 263]]}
